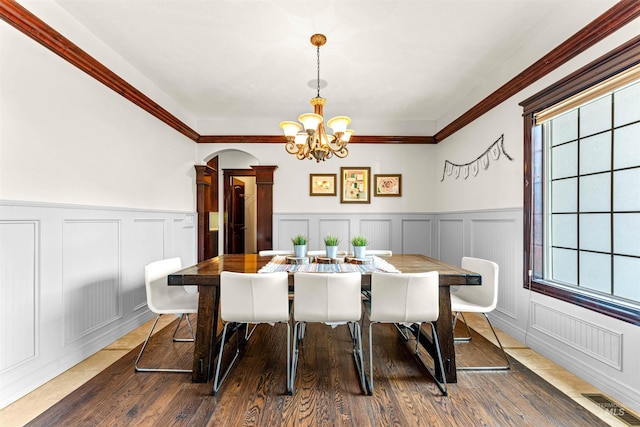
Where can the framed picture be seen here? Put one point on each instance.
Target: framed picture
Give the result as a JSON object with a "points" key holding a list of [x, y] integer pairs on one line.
{"points": [[388, 185], [354, 185], [322, 184]]}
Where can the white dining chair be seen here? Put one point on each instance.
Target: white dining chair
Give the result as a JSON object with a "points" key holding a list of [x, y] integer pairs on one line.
{"points": [[406, 300], [316, 253], [252, 299], [273, 252], [478, 299], [332, 299], [165, 299], [378, 252]]}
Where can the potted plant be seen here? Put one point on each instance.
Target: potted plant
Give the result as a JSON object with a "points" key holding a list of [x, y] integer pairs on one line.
{"points": [[359, 244], [299, 245], [331, 246]]}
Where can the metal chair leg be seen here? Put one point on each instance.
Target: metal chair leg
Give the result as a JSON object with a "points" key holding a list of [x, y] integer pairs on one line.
{"points": [[486, 368], [403, 331], [357, 355], [371, 358], [288, 386], [455, 320], [193, 337], [144, 345], [438, 364], [294, 356], [216, 383]]}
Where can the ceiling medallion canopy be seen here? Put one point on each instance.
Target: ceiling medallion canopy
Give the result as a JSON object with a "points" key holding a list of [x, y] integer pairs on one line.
{"points": [[313, 142]]}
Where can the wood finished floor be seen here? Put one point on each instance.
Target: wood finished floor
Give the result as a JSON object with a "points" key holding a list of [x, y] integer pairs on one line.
{"points": [[327, 390]]}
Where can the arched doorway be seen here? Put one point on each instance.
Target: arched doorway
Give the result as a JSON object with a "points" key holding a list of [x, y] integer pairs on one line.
{"points": [[212, 182]]}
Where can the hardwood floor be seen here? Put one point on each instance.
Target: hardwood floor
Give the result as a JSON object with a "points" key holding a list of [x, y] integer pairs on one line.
{"points": [[327, 389]]}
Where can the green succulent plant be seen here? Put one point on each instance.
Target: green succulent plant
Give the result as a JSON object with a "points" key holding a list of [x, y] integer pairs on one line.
{"points": [[299, 239], [331, 240], [359, 241]]}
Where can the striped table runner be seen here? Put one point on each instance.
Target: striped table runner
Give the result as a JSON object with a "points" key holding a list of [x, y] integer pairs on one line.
{"points": [[279, 263]]}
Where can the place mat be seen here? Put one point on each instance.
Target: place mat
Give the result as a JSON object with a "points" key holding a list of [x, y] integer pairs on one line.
{"points": [[279, 263]]}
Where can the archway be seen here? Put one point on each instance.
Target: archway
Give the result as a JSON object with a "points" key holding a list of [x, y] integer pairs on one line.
{"points": [[215, 183]]}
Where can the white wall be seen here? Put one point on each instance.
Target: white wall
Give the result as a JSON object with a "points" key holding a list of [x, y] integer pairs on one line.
{"points": [[66, 138], [416, 163]]}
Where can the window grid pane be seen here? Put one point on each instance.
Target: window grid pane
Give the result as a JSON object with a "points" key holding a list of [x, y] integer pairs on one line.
{"points": [[593, 204]]}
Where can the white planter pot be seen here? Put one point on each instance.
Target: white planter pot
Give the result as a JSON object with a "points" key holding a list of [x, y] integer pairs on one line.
{"points": [[332, 251], [359, 251], [300, 251]]}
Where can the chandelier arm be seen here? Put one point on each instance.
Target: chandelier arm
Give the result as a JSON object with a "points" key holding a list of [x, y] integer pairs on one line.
{"points": [[337, 144], [344, 152], [291, 147]]}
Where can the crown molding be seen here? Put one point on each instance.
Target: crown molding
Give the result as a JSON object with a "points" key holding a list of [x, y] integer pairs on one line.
{"points": [[610, 21]]}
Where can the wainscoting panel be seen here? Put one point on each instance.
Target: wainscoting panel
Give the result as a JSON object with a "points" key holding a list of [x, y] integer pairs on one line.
{"points": [[72, 282], [148, 246], [495, 240], [334, 227], [394, 231], [451, 241], [91, 276], [591, 339], [377, 232], [18, 292], [288, 229], [416, 236]]}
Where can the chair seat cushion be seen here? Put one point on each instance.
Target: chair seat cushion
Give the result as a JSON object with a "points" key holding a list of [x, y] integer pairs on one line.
{"points": [[179, 302], [460, 304]]}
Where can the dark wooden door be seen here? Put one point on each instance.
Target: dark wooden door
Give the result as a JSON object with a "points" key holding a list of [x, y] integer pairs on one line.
{"points": [[237, 225]]}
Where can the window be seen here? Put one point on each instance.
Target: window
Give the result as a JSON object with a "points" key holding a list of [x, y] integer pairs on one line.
{"points": [[582, 187]]}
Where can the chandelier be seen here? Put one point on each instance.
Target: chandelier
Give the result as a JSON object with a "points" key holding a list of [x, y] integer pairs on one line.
{"points": [[314, 143]]}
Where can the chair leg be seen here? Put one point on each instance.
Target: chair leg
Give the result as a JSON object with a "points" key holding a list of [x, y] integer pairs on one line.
{"points": [[216, 382], [403, 331], [488, 368], [455, 320], [371, 358], [247, 332], [437, 361], [144, 345], [288, 385], [441, 385], [298, 327], [357, 355], [193, 337]]}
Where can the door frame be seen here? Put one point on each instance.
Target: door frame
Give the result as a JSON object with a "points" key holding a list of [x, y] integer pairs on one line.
{"points": [[264, 202]]}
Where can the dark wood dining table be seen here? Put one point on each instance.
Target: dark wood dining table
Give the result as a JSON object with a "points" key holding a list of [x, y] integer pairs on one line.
{"points": [[206, 275]]}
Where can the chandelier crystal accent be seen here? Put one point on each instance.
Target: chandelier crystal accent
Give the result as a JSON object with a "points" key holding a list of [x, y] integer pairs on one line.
{"points": [[313, 142]]}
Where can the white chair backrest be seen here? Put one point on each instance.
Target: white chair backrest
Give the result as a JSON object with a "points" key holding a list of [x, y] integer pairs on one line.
{"points": [[159, 293], [379, 252], [327, 297], [254, 297], [409, 297], [317, 253], [272, 252], [485, 295], [324, 253]]}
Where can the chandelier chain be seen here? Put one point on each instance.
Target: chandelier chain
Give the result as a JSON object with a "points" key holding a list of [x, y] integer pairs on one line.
{"points": [[318, 80]]}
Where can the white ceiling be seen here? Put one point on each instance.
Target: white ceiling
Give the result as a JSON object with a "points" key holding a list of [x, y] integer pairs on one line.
{"points": [[404, 67]]}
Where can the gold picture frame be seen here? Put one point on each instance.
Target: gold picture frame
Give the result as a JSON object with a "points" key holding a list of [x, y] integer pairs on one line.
{"points": [[322, 184], [388, 185], [354, 185]]}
